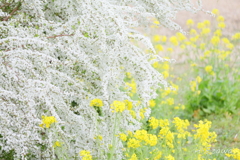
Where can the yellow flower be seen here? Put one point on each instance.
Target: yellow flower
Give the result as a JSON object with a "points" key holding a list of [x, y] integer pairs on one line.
{"points": [[215, 11], [165, 74], [128, 74], [165, 66], [156, 22], [118, 106], [190, 22], [133, 157], [156, 38], [193, 32], [230, 46], [206, 23], [208, 69], [221, 25], [225, 40], [194, 39], [207, 53], [220, 19], [199, 79], [203, 134], [193, 85], [142, 111], [158, 155], [123, 137], [163, 123], [218, 33], [159, 47], [169, 157], [215, 40], [202, 46], [205, 31], [153, 123], [174, 40], [200, 25], [57, 144], [47, 121], [133, 143], [85, 155], [96, 103], [236, 36], [132, 113], [156, 65], [180, 36], [193, 64], [128, 104], [164, 39], [235, 154], [99, 137], [151, 140], [170, 101], [176, 107], [198, 92], [152, 103]]}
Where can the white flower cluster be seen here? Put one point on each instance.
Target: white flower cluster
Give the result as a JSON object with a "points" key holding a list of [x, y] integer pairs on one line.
{"points": [[58, 55]]}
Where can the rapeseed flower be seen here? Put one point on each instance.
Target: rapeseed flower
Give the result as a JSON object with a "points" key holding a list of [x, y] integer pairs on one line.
{"points": [[57, 144], [159, 47], [133, 143], [236, 36], [123, 137], [190, 22], [170, 101], [235, 154], [118, 106], [156, 38], [205, 31], [133, 157], [220, 19], [86, 155], [47, 121], [174, 40], [218, 33], [153, 122], [208, 69], [215, 11], [215, 40], [128, 104], [221, 25], [152, 103], [96, 103], [200, 25], [169, 157]]}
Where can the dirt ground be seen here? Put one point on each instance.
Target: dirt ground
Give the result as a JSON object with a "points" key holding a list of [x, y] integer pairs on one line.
{"points": [[229, 9]]}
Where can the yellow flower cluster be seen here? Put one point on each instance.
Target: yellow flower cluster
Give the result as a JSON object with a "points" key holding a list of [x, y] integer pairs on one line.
{"points": [[133, 143], [181, 126], [118, 106], [133, 87], [235, 154], [96, 103], [209, 70], [194, 85], [86, 155], [203, 134], [133, 157], [57, 144], [47, 121]]}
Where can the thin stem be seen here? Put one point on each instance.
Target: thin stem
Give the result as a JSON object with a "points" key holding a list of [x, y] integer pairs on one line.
{"points": [[14, 10]]}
